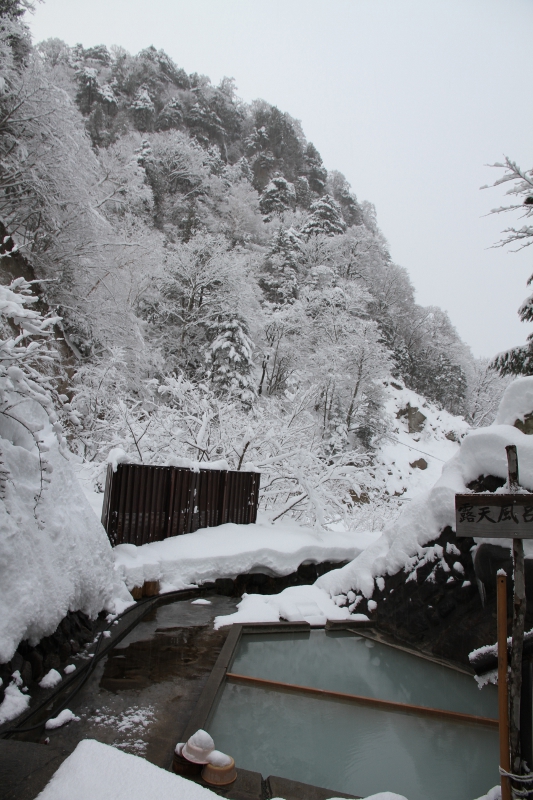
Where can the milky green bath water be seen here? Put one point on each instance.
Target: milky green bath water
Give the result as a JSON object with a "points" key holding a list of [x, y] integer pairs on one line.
{"points": [[352, 748]]}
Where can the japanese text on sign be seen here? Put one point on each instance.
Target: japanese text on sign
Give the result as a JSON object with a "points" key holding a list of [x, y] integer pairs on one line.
{"points": [[494, 516]]}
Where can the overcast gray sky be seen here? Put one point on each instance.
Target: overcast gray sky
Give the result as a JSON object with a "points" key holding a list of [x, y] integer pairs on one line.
{"points": [[410, 99]]}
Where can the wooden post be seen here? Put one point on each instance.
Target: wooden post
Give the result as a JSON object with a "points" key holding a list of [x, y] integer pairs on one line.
{"points": [[503, 708], [519, 614], [526, 714]]}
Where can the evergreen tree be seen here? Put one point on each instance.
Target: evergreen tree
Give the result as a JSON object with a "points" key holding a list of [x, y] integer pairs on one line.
{"points": [[439, 379], [277, 142], [171, 116], [88, 89], [230, 356], [314, 169], [279, 196], [14, 8], [341, 191], [279, 280], [325, 218], [143, 110], [304, 195]]}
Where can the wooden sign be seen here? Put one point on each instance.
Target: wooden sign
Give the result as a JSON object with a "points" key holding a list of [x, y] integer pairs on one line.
{"points": [[494, 516]]}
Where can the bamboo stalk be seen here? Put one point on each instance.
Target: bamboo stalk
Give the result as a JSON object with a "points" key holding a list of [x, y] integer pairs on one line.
{"points": [[385, 705], [503, 707]]}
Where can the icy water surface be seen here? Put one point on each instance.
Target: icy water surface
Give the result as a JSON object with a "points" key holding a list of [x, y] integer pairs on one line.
{"points": [[348, 747]]}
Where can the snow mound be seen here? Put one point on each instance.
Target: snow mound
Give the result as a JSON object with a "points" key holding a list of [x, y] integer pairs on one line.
{"points": [[13, 704], [386, 796], [99, 770], [219, 759], [494, 794], [54, 554], [230, 550], [517, 402], [117, 455], [482, 452], [295, 604], [51, 679], [62, 719]]}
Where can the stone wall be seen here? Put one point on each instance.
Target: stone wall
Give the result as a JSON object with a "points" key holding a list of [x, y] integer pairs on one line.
{"points": [[53, 652]]}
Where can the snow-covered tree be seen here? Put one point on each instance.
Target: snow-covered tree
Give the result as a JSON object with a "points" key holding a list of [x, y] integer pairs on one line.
{"points": [[281, 349], [314, 169], [341, 191], [143, 110], [518, 360], [325, 218], [279, 278], [229, 357], [485, 389], [27, 355], [277, 198], [203, 285]]}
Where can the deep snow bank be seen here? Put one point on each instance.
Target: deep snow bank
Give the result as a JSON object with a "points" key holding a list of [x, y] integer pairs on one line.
{"points": [[54, 553], [482, 452], [230, 550], [99, 770]]}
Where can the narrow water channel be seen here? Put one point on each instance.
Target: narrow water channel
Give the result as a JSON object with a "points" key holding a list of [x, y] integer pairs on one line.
{"points": [[141, 696]]}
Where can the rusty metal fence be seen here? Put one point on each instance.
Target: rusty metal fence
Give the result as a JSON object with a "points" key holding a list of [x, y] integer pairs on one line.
{"points": [[144, 503]]}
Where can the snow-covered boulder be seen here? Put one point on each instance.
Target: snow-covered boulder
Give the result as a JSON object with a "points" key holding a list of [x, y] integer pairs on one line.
{"points": [[516, 403]]}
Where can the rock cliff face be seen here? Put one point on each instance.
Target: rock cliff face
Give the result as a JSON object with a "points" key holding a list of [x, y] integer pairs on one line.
{"points": [[436, 604], [441, 609]]}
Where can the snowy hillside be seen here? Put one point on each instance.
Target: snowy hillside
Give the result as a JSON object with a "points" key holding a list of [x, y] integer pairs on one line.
{"points": [[410, 456], [482, 453]]}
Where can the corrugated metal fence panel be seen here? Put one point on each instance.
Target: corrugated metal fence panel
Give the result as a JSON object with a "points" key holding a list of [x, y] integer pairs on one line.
{"points": [[181, 517], [207, 499], [241, 497], [253, 495], [144, 503]]}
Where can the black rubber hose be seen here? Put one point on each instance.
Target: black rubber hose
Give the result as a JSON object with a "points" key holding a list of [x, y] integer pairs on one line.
{"points": [[89, 668]]}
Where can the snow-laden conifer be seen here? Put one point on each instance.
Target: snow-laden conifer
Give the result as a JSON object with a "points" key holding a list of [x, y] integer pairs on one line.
{"points": [[229, 357], [278, 197], [325, 218]]}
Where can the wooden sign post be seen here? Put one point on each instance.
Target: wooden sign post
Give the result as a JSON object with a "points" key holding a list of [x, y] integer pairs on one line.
{"points": [[503, 698], [504, 516]]}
